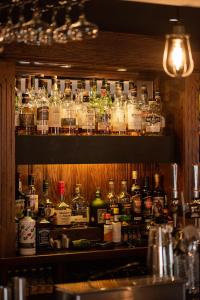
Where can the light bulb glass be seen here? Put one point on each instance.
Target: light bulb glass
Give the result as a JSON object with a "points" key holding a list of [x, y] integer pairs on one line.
{"points": [[177, 58]]}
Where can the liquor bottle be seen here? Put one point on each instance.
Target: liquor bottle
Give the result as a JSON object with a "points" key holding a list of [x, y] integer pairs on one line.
{"points": [[62, 213], [26, 116], [43, 230], [69, 124], [46, 204], [55, 109], [97, 209], [103, 111], [42, 109], [80, 208], [158, 199], [32, 196], [195, 203], [112, 201], [136, 199], [152, 120], [125, 204], [116, 230], [174, 208], [27, 234], [134, 113], [107, 228], [19, 198], [159, 110], [118, 117], [147, 203]]}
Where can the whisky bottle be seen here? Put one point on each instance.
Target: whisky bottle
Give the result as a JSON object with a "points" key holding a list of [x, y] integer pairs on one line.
{"points": [[134, 113], [55, 109], [118, 117], [27, 234], [43, 231], [42, 109], [112, 201], [125, 204], [46, 205], [26, 116], [147, 202], [174, 208], [136, 199], [32, 196], [98, 208], [158, 199], [62, 212], [80, 208], [195, 203]]}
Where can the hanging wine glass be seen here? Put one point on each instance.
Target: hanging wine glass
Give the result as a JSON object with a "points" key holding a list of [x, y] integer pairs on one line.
{"points": [[82, 29], [60, 34], [8, 33], [46, 36], [33, 28]]}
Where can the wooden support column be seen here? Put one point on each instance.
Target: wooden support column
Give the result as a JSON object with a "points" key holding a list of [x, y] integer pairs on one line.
{"points": [[7, 159]]}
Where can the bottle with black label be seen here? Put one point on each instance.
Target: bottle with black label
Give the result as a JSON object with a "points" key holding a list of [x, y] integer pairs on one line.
{"points": [[158, 199], [147, 203], [98, 208], [136, 199], [43, 231]]}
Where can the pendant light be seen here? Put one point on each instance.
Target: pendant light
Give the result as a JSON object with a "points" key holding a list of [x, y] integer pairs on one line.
{"points": [[177, 57]]}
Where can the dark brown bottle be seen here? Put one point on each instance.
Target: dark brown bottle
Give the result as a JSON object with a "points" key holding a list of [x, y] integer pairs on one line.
{"points": [[136, 199], [158, 199], [147, 202]]}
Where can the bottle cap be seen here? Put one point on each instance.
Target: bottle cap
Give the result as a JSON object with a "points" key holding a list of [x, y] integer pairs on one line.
{"points": [[61, 187]]}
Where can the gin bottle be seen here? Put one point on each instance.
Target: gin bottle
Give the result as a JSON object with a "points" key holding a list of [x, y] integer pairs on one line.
{"points": [[55, 109]]}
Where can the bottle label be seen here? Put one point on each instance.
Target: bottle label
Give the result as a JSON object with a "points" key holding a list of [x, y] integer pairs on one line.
{"points": [[19, 208], [137, 204], [126, 209], [100, 215], [148, 202], [159, 200], [27, 234], [62, 216], [68, 122], [134, 119], [26, 120], [88, 121], [43, 237], [153, 123], [33, 203], [43, 113], [54, 117]]}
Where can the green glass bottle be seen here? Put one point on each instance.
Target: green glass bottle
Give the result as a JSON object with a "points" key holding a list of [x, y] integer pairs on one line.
{"points": [[98, 208]]}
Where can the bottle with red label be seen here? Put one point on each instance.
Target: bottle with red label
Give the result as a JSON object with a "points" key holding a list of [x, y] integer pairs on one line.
{"points": [[136, 199]]}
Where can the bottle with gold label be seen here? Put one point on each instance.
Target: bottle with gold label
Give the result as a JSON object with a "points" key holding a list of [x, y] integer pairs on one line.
{"points": [[136, 199], [62, 212]]}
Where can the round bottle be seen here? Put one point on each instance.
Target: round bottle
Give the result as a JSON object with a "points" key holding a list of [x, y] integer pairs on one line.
{"points": [[27, 235]]}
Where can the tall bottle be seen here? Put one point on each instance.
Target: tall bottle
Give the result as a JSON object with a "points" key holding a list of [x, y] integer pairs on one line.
{"points": [[27, 234], [195, 203], [125, 204], [118, 116], [136, 199], [80, 208], [158, 199], [175, 197], [62, 213], [42, 109], [55, 109], [103, 111], [26, 116], [46, 204], [32, 196], [147, 203], [98, 208], [112, 201]]}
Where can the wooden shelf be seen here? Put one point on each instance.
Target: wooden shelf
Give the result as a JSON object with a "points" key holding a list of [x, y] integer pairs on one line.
{"points": [[73, 256], [94, 149]]}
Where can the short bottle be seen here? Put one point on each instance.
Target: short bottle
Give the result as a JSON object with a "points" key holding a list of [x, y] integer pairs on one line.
{"points": [[62, 212], [98, 208], [80, 208], [27, 234]]}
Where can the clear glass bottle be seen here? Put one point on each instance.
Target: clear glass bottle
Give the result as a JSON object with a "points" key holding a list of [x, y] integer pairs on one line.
{"points": [[125, 204], [133, 112], [46, 204], [152, 120], [32, 196], [55, 109], [159, 109], [26, 116], [112, 201], [62, 212], [118, 117], [42, 109], [98, 208], [69, 124], [80, 208]]}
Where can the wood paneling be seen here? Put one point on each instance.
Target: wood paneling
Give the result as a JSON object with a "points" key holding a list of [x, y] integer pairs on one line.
{"points": [[7, 159]]}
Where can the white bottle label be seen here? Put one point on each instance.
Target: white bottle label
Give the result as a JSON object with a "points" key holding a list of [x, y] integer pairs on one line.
{"points": [[27, 236], [54, 116], [62, 216], [134, 118]]}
